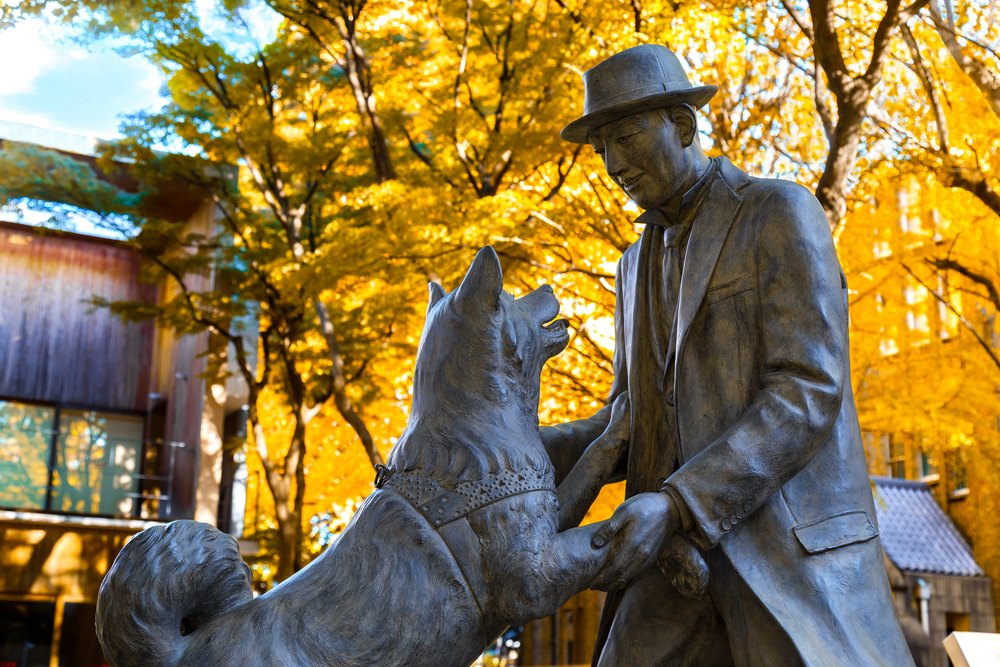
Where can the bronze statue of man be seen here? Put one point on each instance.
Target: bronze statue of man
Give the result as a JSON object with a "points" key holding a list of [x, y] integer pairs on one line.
{"points": [[731, 334]]}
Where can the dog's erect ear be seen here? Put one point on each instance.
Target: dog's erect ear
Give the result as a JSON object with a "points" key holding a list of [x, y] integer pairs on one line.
{"points": [[483, 284], [436, 294]]}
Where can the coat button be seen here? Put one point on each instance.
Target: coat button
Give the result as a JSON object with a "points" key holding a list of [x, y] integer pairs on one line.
{"points": [[734, 520], [725, 524], [748, 506], [670, 398], [739, 513]]}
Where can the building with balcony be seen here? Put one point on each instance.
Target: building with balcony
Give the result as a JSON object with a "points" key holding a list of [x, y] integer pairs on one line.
{"points": [[105, 427]]}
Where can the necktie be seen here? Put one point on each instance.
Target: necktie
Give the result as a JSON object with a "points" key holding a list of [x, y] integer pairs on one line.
{"points": [[673, 238]]}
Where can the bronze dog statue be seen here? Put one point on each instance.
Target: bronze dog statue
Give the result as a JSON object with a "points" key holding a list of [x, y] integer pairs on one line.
{"points": [[465, 535]]}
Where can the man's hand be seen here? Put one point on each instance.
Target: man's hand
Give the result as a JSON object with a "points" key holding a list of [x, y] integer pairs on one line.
{"points": [[637, 532]]}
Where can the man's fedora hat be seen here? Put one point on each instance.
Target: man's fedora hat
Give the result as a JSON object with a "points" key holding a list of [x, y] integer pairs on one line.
{"points": [[639, 79]]}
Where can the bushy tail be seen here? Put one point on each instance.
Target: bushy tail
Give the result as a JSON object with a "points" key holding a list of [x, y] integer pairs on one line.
{"points": [[168, 581]]}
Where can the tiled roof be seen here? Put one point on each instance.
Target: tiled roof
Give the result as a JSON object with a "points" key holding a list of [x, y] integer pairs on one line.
{"points": [[916, 533]]}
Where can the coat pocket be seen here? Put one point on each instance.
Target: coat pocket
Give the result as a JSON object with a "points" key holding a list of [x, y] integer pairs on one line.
{"points": [[730, 288], [837, 530]]}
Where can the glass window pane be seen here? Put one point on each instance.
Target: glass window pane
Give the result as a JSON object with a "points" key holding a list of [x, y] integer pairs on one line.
{"points": [[97, 460], [25, 438], [78, 645], [26, 633]]}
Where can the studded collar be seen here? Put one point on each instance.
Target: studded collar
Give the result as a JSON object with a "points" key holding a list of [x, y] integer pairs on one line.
{"points": [[441, 506]]}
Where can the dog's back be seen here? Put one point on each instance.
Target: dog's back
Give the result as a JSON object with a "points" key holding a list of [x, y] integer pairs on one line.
{"points": [[387, 593]]}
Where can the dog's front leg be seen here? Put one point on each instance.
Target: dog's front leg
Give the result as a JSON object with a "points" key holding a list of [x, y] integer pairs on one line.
{"points": [[532, 570], [580, 488], [566, 565]]}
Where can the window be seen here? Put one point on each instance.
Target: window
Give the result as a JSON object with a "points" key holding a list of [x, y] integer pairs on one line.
{"points": [[925, 467], [570, 626], [956, 622], [894, 457], [958, 479], [97, 459], [70, 461], [25, 442], [26, 633], [78, 644]]}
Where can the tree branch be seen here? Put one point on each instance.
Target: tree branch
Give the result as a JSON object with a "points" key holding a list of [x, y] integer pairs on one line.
{"points": [[952, 265], [966, 323], [339, 386], [985, 78]]}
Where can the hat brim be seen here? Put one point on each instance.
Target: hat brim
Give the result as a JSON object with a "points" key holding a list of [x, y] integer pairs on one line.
{"points": [[577, 131]]}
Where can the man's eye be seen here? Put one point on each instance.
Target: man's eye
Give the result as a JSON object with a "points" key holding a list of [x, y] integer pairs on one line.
{"points": [[627, 138]]}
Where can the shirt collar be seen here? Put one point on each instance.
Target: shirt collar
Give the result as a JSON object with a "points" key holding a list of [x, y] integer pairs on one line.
{"points": [[675, 209]]}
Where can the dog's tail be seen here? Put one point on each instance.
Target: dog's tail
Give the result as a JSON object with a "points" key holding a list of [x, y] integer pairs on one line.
{"points": [[168, 581]]}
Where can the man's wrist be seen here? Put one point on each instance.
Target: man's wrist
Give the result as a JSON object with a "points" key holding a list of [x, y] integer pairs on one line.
{"points": [[680, 512]]}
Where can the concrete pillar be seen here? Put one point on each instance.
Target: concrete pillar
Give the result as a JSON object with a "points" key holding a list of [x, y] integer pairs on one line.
{"points": [[210, 464]]}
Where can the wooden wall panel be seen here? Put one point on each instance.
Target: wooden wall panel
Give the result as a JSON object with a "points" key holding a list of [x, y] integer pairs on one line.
{"points": [[51, 347], [56, 560]]}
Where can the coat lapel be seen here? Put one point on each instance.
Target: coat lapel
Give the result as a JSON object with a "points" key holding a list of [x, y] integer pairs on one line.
{"points": [[647, 404], [708, 234]]}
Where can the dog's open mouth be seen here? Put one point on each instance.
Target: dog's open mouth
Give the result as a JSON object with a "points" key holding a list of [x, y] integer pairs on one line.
{"points": [[556, 332], [556, 327]]}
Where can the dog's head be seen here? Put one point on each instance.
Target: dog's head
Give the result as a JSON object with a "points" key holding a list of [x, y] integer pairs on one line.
{"points": [[479, 342], [478, 373]]}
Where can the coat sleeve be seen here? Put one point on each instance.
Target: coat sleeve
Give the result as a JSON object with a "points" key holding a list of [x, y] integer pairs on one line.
{"points": [[565, 443], [803, 334]]}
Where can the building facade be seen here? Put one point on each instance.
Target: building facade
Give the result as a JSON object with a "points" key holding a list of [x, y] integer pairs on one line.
{"points": [[937, 583], [105, 427]]}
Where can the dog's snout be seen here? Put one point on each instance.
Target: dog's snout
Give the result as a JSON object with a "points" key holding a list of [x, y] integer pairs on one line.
{"points": [[541, 303]]}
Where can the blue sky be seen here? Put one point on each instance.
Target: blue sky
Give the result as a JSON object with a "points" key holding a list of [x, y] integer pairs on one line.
{"points": [[49, 81]]}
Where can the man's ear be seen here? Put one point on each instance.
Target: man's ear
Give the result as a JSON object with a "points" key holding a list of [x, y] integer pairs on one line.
{"points": [[686, 120], [482, 285]]}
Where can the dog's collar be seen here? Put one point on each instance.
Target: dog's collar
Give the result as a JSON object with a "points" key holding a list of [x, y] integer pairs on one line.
{"points": [[441, 506]]}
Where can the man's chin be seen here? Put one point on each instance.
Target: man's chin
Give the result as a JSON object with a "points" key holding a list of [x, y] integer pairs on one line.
{"points": [[642, 200], [642, 204]]}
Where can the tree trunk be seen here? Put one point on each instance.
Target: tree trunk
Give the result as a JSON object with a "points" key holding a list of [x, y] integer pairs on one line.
{"points": [[287, 530], [358, 75], [288, 510], [851, 92], [340, 398], [365, 100], [831, 190]]}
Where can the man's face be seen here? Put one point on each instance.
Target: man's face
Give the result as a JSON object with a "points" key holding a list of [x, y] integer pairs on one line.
{"points": [[644, 155]]}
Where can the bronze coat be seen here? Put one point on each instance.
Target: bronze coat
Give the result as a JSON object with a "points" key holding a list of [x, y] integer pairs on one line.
{"points": [[769, 451]]}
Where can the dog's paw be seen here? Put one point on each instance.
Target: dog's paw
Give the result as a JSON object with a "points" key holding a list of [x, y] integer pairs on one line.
{"points": [[685, 567]]}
